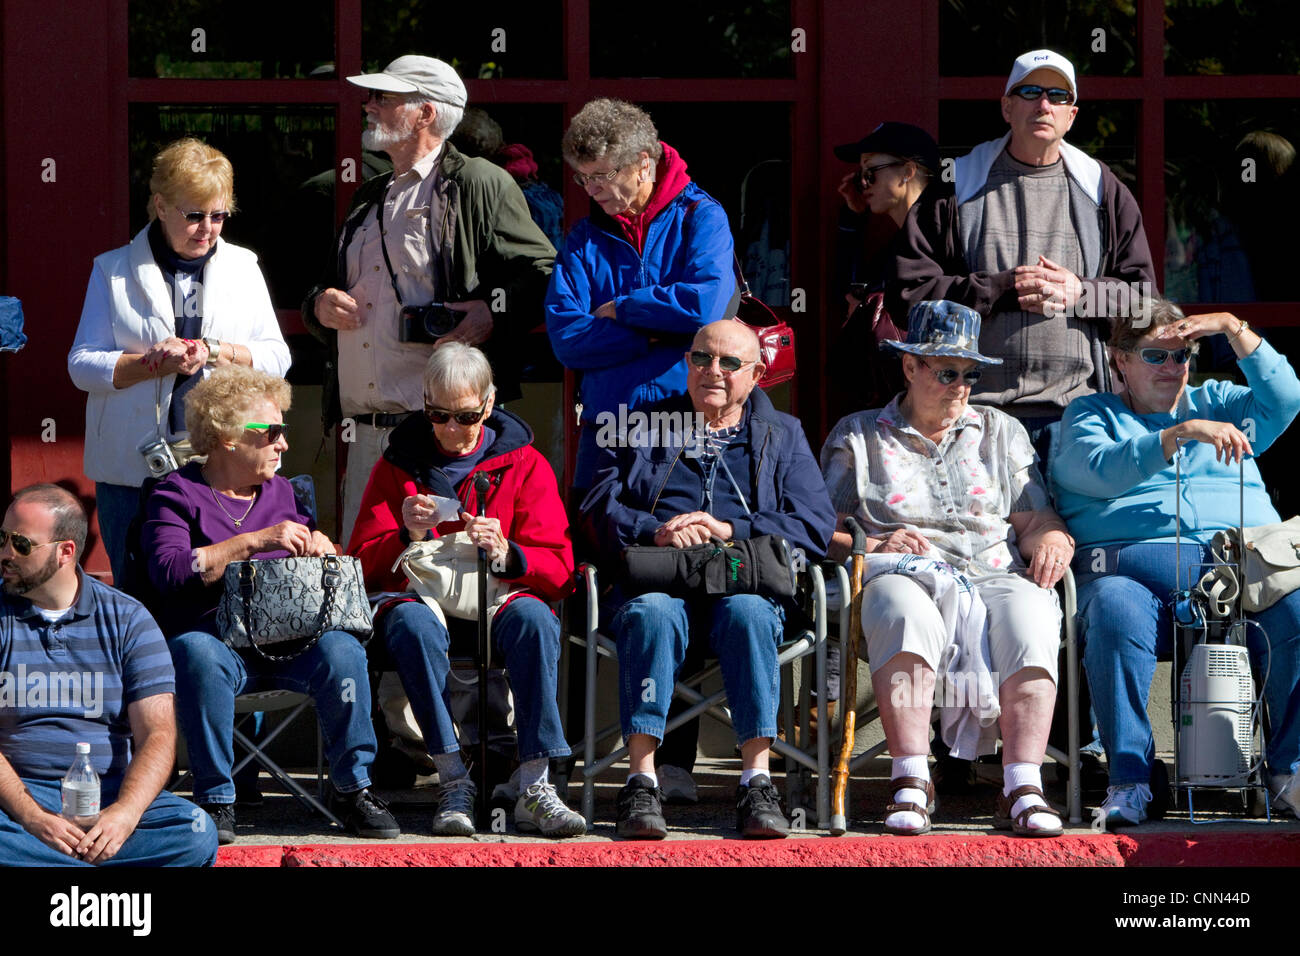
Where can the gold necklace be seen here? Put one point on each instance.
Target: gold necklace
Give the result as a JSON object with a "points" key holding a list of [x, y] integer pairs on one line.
{"points": [[240, 520]]}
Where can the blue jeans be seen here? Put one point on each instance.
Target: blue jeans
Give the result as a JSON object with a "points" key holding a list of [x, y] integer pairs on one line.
{"points": [[1125, 622], [524, 632], [115, 505], [209, 675], [653, 631], [171, 832]]}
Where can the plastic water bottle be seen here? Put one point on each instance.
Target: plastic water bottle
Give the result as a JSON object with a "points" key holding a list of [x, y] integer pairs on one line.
{"points": [[81, 790]]}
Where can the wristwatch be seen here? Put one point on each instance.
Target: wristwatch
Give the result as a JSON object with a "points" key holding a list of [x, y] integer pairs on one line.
{"points": [[214, 350]]}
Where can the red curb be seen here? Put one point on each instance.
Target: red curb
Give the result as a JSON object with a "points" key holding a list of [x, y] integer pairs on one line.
{"points": [[250, 856], [1211, 849]]}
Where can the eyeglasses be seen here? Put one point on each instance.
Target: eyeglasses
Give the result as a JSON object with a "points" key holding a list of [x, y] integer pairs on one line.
{"points": [[273, 432], [597, 177], [24, 545], [466, 416], [869, 172], [1158, 356], [728, 363], [1055, 95], [947, 376], [382, 98], [196, 217]]}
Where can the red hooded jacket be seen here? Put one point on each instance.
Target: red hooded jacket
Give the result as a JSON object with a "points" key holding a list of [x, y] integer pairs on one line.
{"points": [[523, 497]]}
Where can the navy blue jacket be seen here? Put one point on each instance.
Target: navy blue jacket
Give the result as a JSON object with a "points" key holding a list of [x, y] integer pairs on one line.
{"points": [[770, 459]]}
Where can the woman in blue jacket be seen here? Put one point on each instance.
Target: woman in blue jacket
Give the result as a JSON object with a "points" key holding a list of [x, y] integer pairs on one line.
{"points": [[1116, 488], [640, 276]]}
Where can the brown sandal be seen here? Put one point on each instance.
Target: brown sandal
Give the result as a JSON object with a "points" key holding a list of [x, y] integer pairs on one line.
{"points": [[1020, 825], [913, 783]]}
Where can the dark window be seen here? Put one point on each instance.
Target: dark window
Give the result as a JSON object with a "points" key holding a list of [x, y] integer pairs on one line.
{"points": [[236, 39], [981, 39], [1263, 37], [682, 38]]}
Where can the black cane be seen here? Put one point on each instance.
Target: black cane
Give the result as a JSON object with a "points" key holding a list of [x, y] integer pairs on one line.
{"points": [[481, 485]]}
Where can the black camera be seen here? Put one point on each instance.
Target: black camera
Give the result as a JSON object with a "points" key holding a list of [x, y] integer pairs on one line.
{"points": [[427, 323]]}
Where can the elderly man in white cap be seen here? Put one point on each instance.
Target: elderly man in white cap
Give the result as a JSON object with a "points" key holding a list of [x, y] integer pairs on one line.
{"points": [[1040, 239], [442, 250]]}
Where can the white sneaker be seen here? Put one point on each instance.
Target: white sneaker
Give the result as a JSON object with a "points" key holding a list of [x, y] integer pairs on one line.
{"points": [[1126, 805], [677, 785], [455, 816], [507, 792], [540, 810], [1285, 788]]}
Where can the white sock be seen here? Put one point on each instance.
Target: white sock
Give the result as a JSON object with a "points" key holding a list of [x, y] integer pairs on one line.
{"points": [[654, 777], [449, 767], [750, 774], [533, 771], [917, 765], [1027, 775]]}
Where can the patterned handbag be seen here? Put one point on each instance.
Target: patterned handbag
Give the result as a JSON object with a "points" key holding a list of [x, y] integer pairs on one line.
{"points": [[288, 603]]}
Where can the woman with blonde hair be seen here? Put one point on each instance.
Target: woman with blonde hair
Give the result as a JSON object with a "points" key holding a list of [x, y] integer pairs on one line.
{"points": [[160, 314]]}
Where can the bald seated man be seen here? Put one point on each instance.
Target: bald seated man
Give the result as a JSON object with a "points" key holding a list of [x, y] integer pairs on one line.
{"points": [[718, 462]]}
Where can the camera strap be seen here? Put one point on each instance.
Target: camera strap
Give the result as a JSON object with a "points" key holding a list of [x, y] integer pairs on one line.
{"points": [[383, 245]]}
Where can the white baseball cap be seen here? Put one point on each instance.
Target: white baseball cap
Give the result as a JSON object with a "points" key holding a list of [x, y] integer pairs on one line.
{"points": [[1026, 63], [416, 74]]}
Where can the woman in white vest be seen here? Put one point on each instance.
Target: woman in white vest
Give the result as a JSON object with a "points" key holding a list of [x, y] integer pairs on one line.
{"points": [[160, 314]]}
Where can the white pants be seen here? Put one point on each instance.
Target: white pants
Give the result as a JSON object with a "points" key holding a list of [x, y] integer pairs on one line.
{"points": [[363, 453]]}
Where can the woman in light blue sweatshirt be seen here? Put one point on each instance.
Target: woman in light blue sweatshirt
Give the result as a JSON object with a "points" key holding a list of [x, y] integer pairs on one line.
{"points": [[1116, 489]]}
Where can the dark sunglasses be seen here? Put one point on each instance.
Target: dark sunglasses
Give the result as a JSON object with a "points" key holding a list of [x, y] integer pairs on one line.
{"points": [[467, 417], [947, 376], [273, 432], [728, 363], [196, 217], [1055, 95], [23, 545], [869, 172], [1158, 356], [382, 98]]}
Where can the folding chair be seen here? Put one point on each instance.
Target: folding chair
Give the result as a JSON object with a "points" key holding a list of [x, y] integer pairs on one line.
{"points": [[1069, 757], [795, 647]]}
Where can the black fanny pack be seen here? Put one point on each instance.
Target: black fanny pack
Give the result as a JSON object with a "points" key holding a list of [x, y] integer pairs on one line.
{"points": [[764, 565]]}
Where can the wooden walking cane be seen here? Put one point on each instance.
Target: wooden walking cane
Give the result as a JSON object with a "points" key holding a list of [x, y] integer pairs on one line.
{"points": [[481, 485], [849, 678]]}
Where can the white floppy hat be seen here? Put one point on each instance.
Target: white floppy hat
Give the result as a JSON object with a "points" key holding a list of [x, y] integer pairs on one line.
{"points": [[1026, 63], [416, 74]]}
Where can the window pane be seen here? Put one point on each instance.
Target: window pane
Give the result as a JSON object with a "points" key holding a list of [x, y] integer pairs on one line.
{"points": [[984, 39], [1231, 194], [690, 39], [287, 221], [236, 39], [480, 40], [1104, 129], [1265, 37]]}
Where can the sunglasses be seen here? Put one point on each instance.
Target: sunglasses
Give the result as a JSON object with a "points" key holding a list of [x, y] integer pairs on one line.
{"points": [[382, 98], [597, 178], [1158, 356], [728, 363], [1055, 95], [947, 376], [466, 417], [273, 432], [196, 217], [23, 545], [869, 172]]}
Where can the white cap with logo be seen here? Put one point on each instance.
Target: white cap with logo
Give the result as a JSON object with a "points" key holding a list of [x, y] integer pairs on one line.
{"points": [[416, 74], [1026, 63]]}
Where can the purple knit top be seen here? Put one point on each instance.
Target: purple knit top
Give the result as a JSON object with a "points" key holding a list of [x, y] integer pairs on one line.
{"points": [[182, 515]]}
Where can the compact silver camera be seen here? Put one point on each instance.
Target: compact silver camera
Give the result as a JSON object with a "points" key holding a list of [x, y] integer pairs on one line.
{"points": [[159, 458]]}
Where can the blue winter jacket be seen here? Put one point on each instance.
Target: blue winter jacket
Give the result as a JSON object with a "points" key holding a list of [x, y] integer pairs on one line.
{"points": [[771, 460], [682, 280]]}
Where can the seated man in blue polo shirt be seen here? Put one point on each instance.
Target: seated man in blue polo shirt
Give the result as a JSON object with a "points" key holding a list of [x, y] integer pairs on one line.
{"points": [[81, 662]]}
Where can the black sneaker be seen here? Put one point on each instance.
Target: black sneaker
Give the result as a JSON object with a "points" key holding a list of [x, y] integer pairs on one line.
{"points": [[640, 814], [758, 810], [223, 818], [365, 815]]}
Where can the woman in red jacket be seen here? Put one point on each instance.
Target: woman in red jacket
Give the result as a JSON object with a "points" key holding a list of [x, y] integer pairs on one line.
{"points": [[526, 536]]}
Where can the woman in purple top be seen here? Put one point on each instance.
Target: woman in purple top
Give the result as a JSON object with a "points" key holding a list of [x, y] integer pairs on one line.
{"points": [[234, 507]]}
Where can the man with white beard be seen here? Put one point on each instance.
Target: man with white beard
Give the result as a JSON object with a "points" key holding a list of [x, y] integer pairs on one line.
{"points": [[442, 228]]}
